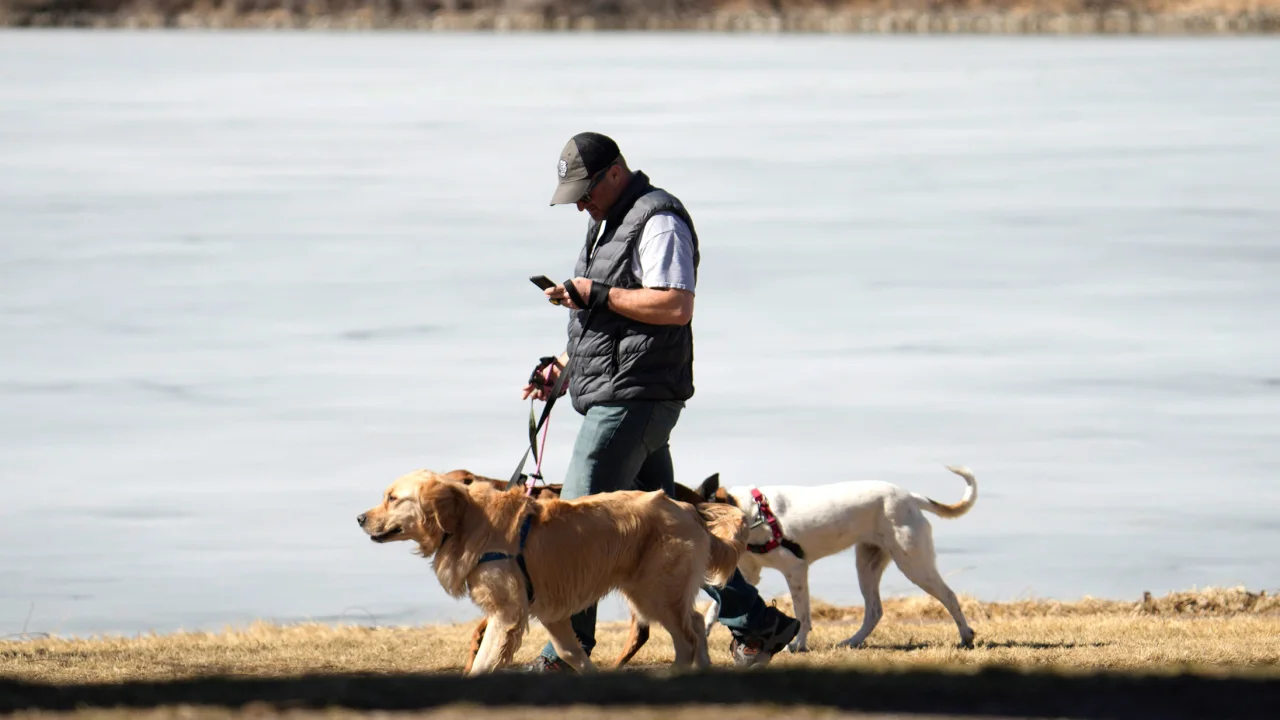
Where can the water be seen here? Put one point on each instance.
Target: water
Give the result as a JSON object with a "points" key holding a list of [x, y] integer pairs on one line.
{"points": [[248, 279]]}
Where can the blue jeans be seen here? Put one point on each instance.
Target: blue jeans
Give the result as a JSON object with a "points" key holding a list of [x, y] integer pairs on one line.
{"points": [[625, 446]]}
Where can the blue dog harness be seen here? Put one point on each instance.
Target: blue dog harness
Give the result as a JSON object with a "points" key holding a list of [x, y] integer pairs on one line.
{"points": [[519, 557]]}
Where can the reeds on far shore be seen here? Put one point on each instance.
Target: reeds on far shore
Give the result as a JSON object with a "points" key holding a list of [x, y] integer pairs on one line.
{"points": [[987, 17]]}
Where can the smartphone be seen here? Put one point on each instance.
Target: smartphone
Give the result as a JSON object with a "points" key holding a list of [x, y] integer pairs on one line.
{"points": [[544, 282]]}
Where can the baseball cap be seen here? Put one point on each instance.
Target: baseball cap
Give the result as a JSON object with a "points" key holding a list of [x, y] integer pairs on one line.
{"points": [[584, 155]]}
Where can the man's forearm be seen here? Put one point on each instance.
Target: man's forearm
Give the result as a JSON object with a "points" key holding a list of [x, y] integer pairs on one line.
{"points": [[655, 306]]}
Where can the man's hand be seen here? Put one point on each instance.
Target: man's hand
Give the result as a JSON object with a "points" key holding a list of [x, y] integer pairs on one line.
{"points": [[581, 284], [550, 374]]}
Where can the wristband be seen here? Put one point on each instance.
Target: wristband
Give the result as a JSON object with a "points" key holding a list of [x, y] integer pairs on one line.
{"points": [[600, 294]]}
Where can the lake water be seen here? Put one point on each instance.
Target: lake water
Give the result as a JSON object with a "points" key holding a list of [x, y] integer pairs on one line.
{"points": [[248, 279]]}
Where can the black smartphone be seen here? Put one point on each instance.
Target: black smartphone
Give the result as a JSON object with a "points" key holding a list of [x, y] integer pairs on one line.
{"points": [[544, 282]]}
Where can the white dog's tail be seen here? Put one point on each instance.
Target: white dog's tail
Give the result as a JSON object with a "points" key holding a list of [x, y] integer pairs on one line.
{"points": [[957, 509], [727, 526]]}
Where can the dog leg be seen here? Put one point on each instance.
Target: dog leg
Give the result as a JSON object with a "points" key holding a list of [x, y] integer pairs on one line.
{"points": [[477, 637], [918, 563], [872, 562], [567, 646], [701, 655], [511, 641], [639, 636], [493, 647], [798, 583], [709, 620], [686, 636], [676, 615]]}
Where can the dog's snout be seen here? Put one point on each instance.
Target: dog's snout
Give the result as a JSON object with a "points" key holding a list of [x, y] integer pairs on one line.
{"points": [[361, 518]]}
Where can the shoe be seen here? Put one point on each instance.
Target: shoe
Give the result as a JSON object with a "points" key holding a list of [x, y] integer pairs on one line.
{"points": [[544, 664], [758, 649]]}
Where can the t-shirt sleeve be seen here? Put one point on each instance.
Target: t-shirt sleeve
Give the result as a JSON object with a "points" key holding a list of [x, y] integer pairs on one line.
{"points": [[664, 255]]}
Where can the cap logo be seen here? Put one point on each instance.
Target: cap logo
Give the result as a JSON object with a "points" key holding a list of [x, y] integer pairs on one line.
{"points": [[563, 168]]}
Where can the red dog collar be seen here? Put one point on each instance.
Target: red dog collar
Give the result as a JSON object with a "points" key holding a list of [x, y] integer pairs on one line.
{"points": [[775, 527]]}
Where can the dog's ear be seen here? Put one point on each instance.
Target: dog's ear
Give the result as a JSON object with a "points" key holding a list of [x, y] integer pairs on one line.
{"points": [[548, 492], [707, 490], [445, 503], [466, 477]]}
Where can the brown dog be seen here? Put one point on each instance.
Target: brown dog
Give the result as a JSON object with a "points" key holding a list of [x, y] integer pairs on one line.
{"points": [[519, 557], [639, 631]]}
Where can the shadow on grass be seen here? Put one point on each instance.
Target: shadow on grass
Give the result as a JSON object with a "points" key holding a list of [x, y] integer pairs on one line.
{"points": [[911, 647], [991, 692], [1041, 645]]}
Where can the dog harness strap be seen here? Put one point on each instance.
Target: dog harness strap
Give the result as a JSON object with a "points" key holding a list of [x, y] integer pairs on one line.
{"points": [[524, 569], [774, 527], [519, 557]]}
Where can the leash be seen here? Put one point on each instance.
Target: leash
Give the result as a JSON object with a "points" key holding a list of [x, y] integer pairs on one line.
{"points": [[778, 539], [556, 390], [598, 289], [538, 455]]}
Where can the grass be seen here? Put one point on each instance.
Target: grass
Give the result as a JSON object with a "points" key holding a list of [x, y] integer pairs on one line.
{"points": [[1216, 635]]}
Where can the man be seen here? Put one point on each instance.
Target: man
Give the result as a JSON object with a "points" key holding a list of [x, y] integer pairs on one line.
{"points": [[630, 355]]}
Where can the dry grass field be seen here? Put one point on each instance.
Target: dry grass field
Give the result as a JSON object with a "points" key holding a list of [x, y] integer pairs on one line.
{"points": [[1160, 657]]}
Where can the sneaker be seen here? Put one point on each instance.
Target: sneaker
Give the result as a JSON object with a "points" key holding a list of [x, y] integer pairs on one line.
{"points": [[759, 648], [544, 664]]}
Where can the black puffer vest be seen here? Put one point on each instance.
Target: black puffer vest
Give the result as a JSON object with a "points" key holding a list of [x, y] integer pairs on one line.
{"points": [[617, 358]]}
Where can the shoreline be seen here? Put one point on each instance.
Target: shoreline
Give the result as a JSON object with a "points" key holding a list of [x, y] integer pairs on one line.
{"points": [[1233, 21], [1164, 658], [916, 608]]}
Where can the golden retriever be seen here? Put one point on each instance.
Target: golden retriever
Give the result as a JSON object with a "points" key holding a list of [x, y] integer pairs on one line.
{"points": [[519, 557], [639, 631]]}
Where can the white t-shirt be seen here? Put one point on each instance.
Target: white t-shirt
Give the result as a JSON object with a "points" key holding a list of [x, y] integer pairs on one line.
{"points": [[664, 256]]}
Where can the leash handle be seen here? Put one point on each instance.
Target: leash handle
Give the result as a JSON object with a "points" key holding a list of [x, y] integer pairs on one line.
{"points": [[556, 391], [572, 291]]}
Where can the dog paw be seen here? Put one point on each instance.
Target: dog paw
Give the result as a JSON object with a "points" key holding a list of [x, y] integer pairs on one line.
{"points": [[850, 644], [798, 647]]}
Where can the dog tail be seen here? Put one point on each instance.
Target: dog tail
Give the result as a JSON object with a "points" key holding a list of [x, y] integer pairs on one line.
{"points": [[727, 526], [957, 509]]}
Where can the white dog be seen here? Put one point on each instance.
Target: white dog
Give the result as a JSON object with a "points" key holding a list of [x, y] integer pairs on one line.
{"points": [[793, 526]]}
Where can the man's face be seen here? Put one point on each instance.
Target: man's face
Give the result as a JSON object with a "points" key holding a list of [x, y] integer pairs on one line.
{"points": [[603, 192]]}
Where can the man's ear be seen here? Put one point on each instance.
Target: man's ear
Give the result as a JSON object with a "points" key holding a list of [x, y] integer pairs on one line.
{"points": [[445, 502], [707, 490]]}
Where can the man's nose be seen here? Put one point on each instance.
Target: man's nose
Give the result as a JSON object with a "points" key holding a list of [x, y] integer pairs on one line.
{"points": [[361, 518]]}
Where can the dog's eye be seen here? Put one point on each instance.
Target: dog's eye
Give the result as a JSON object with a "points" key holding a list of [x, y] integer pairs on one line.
{"points": [[390, 499]]}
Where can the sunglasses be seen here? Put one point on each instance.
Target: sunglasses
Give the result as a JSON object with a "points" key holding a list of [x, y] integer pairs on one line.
{"points": [[586, 195]]}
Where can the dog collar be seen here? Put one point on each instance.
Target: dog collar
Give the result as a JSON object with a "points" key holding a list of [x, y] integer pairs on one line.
{"points": [[775, 527]]}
